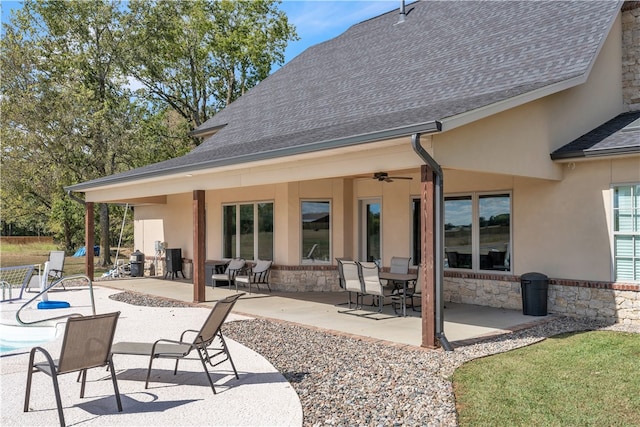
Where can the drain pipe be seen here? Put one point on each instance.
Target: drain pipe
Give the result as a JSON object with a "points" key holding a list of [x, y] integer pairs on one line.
{"points": [[77, 199], [439, 238]]}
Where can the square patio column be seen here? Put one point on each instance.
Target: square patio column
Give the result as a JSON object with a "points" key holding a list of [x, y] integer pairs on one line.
{"points": [[428, 300], [199, 249]]}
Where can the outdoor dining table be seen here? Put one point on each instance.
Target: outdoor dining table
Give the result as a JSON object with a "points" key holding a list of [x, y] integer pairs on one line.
{"points": [[400, 277]]}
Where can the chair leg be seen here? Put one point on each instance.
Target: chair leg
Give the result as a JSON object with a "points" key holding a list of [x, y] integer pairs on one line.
{"points": [[206, 371], [56, 389], [27, 393], [115, 384], [226, 350], [146, 384], [83, 374]]}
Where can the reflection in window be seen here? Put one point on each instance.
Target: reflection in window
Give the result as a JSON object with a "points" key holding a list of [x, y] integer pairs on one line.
{"points": [[243, 235], [477, 232], [372, 232], [229, 231], [416, 214], [246, 231], [458, 218], [265, 231], [316, 232], [495, 231], [626, 230]]}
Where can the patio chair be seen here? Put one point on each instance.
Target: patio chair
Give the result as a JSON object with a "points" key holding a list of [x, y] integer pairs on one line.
{"points": [[370, 281], [415, 291], [351, 279], [234, 268], [15, 277], [180, 349], [56, 264], [257, 275], [399, 265], [86, 344]]}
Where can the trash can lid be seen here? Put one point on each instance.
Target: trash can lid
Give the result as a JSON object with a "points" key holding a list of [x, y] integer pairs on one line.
{"points": [[534, 276]]}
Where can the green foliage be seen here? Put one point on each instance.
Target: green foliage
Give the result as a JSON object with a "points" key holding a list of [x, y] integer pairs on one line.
{"points": [[69, 110], [198, 56], [580, 379]]}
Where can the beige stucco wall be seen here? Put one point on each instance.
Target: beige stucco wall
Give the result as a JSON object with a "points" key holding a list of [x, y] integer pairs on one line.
{"points": [[518, 141], [560, 228], [561, 212]]}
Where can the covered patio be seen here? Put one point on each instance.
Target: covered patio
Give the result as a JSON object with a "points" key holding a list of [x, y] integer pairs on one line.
{"points": [[463, 323]]}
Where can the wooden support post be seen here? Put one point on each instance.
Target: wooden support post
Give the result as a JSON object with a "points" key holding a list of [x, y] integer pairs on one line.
{"points": [[89, 240], [199, 249], [427, 223]]}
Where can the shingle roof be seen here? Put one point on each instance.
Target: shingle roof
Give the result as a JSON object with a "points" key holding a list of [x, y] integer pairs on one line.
{"points": [[609, 139], [381, 78]]}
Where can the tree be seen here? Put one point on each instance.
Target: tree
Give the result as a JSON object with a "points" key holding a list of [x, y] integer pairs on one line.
{"points": [[66, 97], [69, 113], [198, 56]]}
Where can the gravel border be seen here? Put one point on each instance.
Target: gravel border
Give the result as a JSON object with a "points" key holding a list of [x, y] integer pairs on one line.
{"points": [[354, 381]]}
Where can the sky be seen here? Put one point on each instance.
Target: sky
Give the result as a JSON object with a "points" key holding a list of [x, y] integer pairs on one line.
{"points": [[315, 20]]}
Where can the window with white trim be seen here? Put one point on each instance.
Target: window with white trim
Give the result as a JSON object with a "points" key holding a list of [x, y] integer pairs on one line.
{"points": [[247, 231], [626, 233], [477, 231]]}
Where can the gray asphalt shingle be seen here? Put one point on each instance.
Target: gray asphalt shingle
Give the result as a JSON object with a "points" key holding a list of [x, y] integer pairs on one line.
{"points": [[447, 58], [609, 139]]}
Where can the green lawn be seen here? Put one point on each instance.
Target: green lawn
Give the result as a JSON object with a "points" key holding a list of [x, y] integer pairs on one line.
{"points": [[37, 253], [579, 379]]}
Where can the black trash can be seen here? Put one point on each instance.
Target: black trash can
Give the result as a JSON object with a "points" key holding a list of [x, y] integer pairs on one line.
{"points": [[136, 262], [535, 289]]}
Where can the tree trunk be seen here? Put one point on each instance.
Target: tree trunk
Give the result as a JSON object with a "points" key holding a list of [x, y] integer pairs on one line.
{"points": [[104, 235]]}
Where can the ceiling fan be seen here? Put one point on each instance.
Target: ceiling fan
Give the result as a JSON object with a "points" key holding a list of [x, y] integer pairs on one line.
{"points": [[383, 176]]}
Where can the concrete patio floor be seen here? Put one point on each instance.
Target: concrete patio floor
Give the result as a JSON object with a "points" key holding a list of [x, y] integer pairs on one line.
{"points": [[261, 395], [463, 323]]}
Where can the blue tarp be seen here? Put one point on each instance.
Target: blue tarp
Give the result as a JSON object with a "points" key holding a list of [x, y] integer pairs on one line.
{"points": [[83, 251]]}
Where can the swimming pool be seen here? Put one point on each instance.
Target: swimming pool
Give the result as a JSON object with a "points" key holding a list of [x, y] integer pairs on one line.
{"points": [[13, 337]]}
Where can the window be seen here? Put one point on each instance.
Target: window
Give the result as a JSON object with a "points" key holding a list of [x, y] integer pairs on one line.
{"points": [[370, 231], [247, 231], [416, 215], [316, 232], [477, 232], [626, 233]]}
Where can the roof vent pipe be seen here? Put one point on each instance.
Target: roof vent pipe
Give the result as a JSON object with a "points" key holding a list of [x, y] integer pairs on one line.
{"points": [[402, 14]]}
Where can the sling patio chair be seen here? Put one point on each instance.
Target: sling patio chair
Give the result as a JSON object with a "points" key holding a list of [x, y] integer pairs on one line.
{"points": [[398, 265], [180, 349], [86, 344], [348, 271], [369, 273], [56, 264], [234, 268], [257, 275]]}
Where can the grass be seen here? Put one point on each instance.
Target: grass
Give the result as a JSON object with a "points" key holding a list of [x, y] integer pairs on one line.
{"points": [[37, 253], [579, 379]]}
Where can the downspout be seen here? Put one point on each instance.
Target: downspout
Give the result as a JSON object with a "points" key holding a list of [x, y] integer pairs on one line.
{"points": [[77, 199], [439, 238]]}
